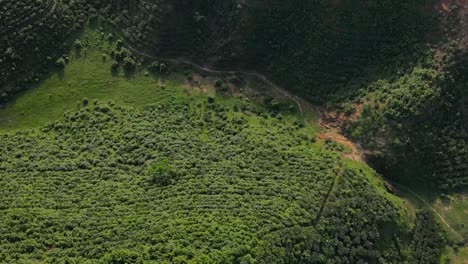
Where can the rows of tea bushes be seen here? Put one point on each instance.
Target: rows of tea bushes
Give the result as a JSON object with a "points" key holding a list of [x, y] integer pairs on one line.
{"points": [[187, 181], [359, 226], [354, 228]]}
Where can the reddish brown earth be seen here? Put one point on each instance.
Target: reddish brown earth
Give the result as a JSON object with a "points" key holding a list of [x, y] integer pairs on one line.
{"points": [[333, 122], [354, 151]]}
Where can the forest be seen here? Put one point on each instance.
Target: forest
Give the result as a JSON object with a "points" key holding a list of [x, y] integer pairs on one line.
{"points": [[233, 131]]}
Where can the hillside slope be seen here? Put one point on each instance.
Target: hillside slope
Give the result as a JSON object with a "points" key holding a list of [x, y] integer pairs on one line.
{"points": [[161, 131], [185, 181]]}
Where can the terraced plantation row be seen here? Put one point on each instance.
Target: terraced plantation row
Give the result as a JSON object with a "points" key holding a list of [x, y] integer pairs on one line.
{"points": [[182, 181]]}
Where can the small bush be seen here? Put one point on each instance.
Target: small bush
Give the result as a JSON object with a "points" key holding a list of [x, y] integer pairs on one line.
{"points": [[122, 257], [61, 62], [160, 173]]}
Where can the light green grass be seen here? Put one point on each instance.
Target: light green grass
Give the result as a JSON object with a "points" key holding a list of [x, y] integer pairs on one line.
{"points": [[87, 75], [459, 256], [455, 211]]}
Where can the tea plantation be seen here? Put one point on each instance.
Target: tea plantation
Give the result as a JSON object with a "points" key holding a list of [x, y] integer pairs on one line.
{"points": [[187, 181], [233, 131]]}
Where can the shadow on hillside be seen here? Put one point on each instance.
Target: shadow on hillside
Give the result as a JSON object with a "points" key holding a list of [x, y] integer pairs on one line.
{"points": [[321, 51]]}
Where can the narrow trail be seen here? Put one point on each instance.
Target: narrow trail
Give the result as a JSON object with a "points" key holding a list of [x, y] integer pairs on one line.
{"points": [[427, 204], [262, 77], [327, 198]]}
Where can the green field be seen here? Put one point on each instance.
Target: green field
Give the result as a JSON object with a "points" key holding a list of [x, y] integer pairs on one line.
{"points": [[455, 212]]}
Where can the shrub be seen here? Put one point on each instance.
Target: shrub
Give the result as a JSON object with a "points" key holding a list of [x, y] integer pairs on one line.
{"points": [[115, 65], [129, 64], [61, 62], [122, 257], [78, 44], [211, 99], [160, 173]]}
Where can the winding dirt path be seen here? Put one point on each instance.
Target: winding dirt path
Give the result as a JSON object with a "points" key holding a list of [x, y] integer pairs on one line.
{"points": [[426, 203], [204, 68]]}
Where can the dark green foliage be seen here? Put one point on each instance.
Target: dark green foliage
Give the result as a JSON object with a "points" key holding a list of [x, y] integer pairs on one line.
{"points": [[115, 65], [310, 46], [356, 226], [78, 44], [31, 32], [157, 67], [421, 116], [129, 64], [427, 241], [221, 85], [272, 103]]}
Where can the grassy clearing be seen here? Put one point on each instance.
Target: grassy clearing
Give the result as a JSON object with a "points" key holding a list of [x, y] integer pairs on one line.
{"points": [[455, 212], [89, 75], [456, 256]]}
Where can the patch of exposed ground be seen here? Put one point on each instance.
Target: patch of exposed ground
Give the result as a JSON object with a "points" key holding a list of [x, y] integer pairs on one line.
{"points": [[354, 150], [459, 31], [336, 119], [333, 122]]}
